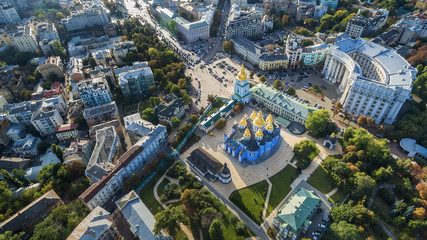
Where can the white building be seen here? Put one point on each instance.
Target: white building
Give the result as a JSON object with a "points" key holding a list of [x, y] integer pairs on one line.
{"points": [[410, 28], [27, 146], [98, 224], [47, 30], [66, 131], [8, 13], [23, 38], [94, 92], [46, 119], [243, 23], [75, 71], [374, 81], [131, 161], [360, 26], [89, 16], [320, 11], [106, 146], [135, 79], [121, 49], [294, 50]]}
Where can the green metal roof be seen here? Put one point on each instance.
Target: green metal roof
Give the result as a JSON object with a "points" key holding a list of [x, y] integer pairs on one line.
{"points": [[295, 214], [282, 121], [289, 103], [212, 119]]}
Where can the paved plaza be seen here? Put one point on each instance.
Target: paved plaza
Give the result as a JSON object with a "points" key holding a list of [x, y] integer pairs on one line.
{"points": [[244, 174]]}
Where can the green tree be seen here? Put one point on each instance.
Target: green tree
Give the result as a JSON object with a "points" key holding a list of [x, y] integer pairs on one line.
{"points": [[10, 179], [46, 85], [8, 235], [154, 102], [169, 219], [19, 174], [172, 26], [60, 222], [382, 174], [364, 185], [220, 124], [291, 91], [149, 115], [186, 98], [277, 84], [262, 79], [92, 62], [343, 231], [58, 50], [59, 16], [318, 123], [57, 150], [194, 119], [228, 47], [307, 42], [304, 31], [215, 230], [304, 149], [175, 122]]}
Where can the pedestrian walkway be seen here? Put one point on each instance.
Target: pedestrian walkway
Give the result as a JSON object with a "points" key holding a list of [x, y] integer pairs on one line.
{"points": [[267, 199], [164, 205], [329, 194]]}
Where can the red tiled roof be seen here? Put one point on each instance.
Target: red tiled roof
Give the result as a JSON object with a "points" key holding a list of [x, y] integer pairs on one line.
{"points": [[124, 160], [54, 90], [66, 127]]}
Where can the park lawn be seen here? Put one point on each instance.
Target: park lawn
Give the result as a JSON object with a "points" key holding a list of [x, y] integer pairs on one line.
{"points": [[320, 180], [281, 186], [229, 227], [147, 194], [251, 200], [338, 197], [162, 185]]}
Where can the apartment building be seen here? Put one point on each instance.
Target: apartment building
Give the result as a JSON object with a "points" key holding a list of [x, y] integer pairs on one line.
{"points": [[243, 23], [94, 92], [89, 16], [23, 38], [8, 13], [52, 66], [46, 119], [27, 146], [363, 25], [136, 79], [99, 114]]}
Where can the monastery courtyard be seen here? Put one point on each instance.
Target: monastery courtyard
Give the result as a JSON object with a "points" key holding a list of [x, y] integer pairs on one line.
{"points": [[244, 174]]}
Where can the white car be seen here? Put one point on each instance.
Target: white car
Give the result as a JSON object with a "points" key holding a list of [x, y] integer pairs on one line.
{"points": [[321, 225]]}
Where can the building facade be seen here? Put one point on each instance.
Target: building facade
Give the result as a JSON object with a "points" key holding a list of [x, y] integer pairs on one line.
{"points": [[99, 114], [135, 158], [136, 79], [46, 119], [66, 131], [243, 24], [27, 146], [8, 13], [294, 50], [360, 26], [94, 92], [241, 87], [253, 137], [52, 66], [333, 4], [87, 17], [374, 81], [281, 104], [23, 38]]}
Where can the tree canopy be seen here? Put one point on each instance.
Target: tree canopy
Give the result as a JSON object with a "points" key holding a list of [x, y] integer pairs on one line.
{"points": [[318, 123]]}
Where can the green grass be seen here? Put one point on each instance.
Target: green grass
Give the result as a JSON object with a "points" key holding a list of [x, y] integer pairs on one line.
{"points": [[380, 207], [180, 235], [162, 185], [147, 195], [251, 200], [214, 109], [281, 186], [229, 227], [338, 197], [320, 180]]}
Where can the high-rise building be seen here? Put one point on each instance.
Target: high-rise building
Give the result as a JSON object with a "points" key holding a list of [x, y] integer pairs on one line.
{"points": [[8, 13], [89, 16], [243, 23], [23, 38], [366, 22]]}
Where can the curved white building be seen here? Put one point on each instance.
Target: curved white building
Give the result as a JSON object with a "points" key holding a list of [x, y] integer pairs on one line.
{"points": [[375, 81]]}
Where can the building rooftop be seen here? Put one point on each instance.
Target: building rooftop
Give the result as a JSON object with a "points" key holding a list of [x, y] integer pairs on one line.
{"points": [[138, 216], [297, 210], [105, 144], [410, 145], [206, 163], [66, 127], [33, 210], [289, 103], [92, 226], [10, 163], [97, 110], [213, 118]]}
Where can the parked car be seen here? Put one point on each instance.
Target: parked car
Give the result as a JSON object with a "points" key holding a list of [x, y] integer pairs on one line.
{"points": [[315, 234], [318, 230], [321, 225]]}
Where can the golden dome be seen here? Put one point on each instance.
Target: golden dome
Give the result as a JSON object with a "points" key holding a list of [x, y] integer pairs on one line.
{"points": [[333, 135], [254, 115], [260, 113], [242, 74], [259, 133], [243, 122], [270, 126], [269, 118], [247, 133], [259, 122]]}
